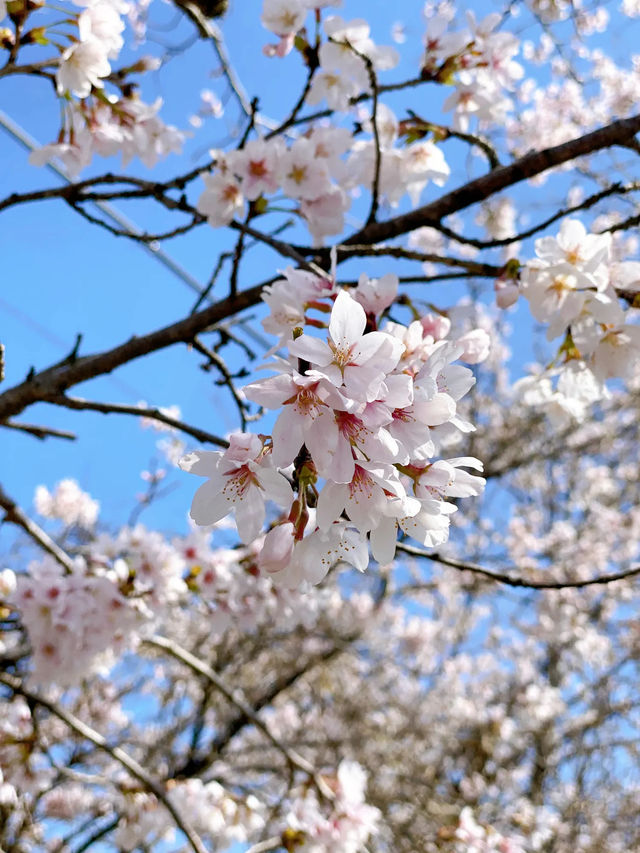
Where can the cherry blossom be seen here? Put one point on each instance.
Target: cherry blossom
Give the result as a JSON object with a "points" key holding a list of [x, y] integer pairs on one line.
{"points": [[239, 478], [81, 67]]}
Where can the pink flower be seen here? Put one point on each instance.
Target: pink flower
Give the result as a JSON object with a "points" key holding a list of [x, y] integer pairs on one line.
{"points": [[357, 361], [258, 164], [222, 198], [241, 478]]}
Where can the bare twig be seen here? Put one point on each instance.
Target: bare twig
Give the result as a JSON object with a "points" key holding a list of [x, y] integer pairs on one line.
{"points": [[219, 363], [509, 580], [212, 280], [154, 414], [375, 185], [15, 515], [142, 237], [211, 31], [284, 249], [426, 257], [40, 431]]}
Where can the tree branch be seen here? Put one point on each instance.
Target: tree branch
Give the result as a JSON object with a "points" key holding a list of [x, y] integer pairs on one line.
{"points": [[236, 698], [509, 580], [155, 414], [528, 166], [40, 432], [55, 380], [118, 754], [17, 516]]}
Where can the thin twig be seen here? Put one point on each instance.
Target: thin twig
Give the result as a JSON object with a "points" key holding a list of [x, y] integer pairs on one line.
{"points": [[15, 515], [426, 257], [118, 754], [211, 31], [375, 185], [442, 132], [217, 360], [56, 379], [154, 414], [236, 697], [212, 280], [40, 432], [509, 580]]}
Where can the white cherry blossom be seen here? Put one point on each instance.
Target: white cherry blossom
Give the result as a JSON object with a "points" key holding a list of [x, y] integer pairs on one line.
{"points": [[240, 478]]}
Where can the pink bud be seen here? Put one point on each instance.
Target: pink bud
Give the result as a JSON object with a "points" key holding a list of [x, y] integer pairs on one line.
{"points": [[277, 548], [436, 325], [282, 48], [506, 292]]}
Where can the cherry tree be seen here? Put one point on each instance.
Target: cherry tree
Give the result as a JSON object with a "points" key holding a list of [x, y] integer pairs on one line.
{"points": [[401, 613]]}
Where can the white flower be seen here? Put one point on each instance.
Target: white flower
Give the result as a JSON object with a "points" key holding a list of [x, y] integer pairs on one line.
{"points": [[81, 67], [68, 503], [101, 21], [354, 359], [283, 16], [222, 198], [74, 156], [325, 214], [422, 162], [7, 583], [376, 294], [337, 89], [574, 247], [304, 176], [375, 492], [312, 557], [258, 164], [241, 478], [477, 346]]}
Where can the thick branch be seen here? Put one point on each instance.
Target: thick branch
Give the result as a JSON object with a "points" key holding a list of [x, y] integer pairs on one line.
{"points": [[54, 381], [532, 164]]}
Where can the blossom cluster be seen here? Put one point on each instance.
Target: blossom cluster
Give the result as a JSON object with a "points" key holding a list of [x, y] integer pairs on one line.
{"points": [[125, 583], [313, 173], [345, 826], [363, 410], [477, 61], [67, 503], [573, 286], [108, 126], [77, 621], [213, 812], [95, 121], [85, 63]]}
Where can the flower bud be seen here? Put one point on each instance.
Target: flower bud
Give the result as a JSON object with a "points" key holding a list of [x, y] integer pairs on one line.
{"points": [[277, 549], [7, 38], [436, 325], [506, 291]]}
